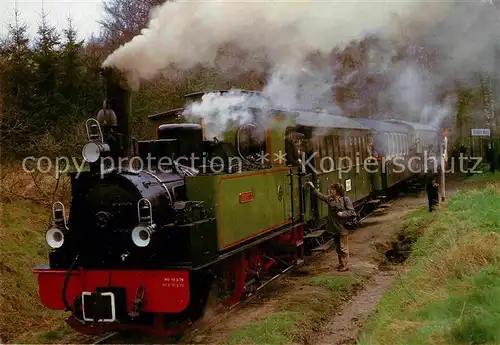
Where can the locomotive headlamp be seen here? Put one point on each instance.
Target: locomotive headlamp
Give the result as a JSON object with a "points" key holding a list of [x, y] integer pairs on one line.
{"points": [[141, 235], [54, 237], [92, 151]]}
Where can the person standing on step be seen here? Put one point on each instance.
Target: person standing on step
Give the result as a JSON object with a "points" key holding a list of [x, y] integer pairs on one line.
{"points": [[340, 210]]}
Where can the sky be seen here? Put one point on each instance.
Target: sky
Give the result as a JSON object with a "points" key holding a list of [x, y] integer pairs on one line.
{"points": [[84, 14]]}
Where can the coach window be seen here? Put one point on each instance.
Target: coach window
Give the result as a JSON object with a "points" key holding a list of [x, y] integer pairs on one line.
{"points": [[326, 147], [352, 150], [347, 152], [386, 144], [402, 144], [394, 146], [398, 140], [347, 149], [401, 138], [251, 140], [319, 150], [341, 150], [336, 149], [331, 142], [389, 145], [326, 154], [398, 144], [356, 149], [363, 149]]}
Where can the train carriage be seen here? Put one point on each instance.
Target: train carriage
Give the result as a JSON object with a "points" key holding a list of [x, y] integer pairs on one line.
{"points": [[424, 145], [392, 142], [338, 155]]}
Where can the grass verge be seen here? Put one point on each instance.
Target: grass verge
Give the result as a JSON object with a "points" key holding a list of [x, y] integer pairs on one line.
{"points": [[25, 210], [451, 293], [296, 319], [22, 228]]}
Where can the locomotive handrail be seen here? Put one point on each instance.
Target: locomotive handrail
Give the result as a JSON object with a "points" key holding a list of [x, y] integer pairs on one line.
{"points": [[141, 219], [185, 170], [169, 196], [63, 213], [90, 136]]}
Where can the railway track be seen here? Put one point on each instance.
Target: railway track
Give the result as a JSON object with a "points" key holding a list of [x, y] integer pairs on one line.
{"points": [[102, 340], [222, 313]]}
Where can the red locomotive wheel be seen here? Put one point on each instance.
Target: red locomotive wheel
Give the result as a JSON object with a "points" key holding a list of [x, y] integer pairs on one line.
{"points": [[236, 275]]}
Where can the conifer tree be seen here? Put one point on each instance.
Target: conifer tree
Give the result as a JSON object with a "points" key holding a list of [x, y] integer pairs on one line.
{"points": [[47, 59], [71, 67], [16, 80]]}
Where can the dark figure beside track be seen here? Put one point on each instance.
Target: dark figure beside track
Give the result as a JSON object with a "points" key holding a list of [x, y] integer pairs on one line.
{"points": [[340, 210], [432, 192]]}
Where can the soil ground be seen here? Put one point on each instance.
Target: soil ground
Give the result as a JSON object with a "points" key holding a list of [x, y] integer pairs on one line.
{"points": [[367, 246]]}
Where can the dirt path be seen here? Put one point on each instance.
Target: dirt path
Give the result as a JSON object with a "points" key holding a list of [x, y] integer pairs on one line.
{"points": [[367, 245], [344, 327]]}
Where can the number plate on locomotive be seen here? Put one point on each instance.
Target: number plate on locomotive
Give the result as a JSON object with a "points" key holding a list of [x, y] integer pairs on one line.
{"points": [[246, 197], [98, 307]]}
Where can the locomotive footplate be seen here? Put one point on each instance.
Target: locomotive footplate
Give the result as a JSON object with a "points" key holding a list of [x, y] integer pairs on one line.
{"points": [[98, 306]]}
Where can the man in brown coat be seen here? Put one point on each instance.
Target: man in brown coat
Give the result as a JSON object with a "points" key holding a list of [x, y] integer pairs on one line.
{"points": [[340, 210]]}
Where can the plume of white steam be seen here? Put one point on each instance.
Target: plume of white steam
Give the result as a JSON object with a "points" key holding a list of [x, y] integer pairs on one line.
{"points": [[186, 34], [303, 88], [463, 38], [222, 111], [288, 88]]}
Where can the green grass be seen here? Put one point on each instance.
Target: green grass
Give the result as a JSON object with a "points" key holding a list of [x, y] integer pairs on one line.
{"points": [[296, 318], [274, 329], [22, 244], [335, 285], [485, 176], [451, 294]]}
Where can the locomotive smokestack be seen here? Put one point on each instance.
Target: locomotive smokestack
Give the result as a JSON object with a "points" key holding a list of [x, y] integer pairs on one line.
{"points": [[118, 99]]}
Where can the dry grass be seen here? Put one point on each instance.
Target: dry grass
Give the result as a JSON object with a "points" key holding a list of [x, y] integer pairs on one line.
{"points": [[451, 293], [25, 216], [39, 187]]}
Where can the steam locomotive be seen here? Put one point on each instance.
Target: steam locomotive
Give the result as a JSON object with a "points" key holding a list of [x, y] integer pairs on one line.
{"points": [[143, 249]]}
